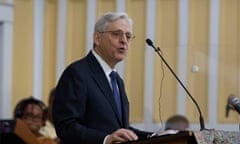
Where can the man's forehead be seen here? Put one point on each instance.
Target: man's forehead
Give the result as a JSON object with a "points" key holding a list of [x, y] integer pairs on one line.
{"points": [[119, 25]]}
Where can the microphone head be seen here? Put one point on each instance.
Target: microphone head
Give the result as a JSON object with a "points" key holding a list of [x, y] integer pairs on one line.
{"points": [[149, 42], [233, 100]]}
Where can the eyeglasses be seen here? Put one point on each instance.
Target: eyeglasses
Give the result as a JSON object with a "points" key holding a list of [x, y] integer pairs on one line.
{"points": [[31, 117], [119, 34]]}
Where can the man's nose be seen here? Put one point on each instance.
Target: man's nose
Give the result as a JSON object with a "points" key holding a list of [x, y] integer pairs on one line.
{"points": [[124, 38]]}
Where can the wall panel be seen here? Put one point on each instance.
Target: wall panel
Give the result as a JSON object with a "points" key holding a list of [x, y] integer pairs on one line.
{"points": [[134, 66], [22, 50], [238, 46], [229, 62], [198, 55], [76, 30], [165, 85], [49, 54], [105, 6]]}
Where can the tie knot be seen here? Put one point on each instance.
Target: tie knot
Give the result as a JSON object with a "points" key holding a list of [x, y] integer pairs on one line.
{"points": [[113, 75]]}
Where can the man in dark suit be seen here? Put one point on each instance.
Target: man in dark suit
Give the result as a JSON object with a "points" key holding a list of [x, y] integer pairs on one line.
{"points": [[84, 109]]}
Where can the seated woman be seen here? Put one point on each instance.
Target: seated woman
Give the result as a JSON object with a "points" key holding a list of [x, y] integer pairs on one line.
{"points": [[34, 114]]}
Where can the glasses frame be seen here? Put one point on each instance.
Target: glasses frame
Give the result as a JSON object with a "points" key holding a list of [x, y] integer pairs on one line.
{"points": [[31, 117], [119, 34]]}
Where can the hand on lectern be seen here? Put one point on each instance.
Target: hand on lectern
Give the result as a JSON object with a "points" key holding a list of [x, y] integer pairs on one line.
{"points": [[121, 135]]}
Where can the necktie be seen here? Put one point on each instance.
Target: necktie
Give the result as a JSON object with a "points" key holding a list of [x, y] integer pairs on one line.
{"points": [[113, 76]]}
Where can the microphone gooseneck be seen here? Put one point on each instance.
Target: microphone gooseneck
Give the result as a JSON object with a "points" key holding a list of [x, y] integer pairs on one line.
{"points": [[202, 124]]}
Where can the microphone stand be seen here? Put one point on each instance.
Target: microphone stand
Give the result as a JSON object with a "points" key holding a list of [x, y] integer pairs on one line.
{"points": [[202, 125]]}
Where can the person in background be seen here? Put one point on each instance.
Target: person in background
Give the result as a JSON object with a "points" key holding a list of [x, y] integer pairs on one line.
{"points": [[34, 114], [91, 104], [177, 122], [49, 129], [50, 102]]}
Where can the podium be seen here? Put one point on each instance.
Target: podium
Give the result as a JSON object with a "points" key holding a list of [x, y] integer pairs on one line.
{"points": [[193, 137], [16, 132], [183, 137]]}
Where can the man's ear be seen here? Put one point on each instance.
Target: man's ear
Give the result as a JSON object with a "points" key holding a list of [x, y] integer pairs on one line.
{"points": [[97, 38]]}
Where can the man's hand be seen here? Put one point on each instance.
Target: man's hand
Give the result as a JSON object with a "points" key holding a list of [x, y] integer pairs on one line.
{"points": [[121, 135]]}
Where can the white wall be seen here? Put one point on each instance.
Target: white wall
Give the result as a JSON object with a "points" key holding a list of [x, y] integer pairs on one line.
{"points": [[6, 40]]}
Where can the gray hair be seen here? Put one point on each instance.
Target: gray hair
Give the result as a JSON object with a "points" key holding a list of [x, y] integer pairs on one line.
{"points": [[109, 17]]}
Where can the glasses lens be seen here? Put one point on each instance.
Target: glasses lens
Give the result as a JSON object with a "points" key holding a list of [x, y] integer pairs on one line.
{"points": [[32, 117], [129, 36], [119, 34]]}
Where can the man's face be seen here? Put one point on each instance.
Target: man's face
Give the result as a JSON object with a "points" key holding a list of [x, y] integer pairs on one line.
{"points": [[33, 117], [112, 44]]}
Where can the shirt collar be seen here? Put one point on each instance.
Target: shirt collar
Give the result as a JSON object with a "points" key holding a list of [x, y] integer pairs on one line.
{"points": [[106, 68]]}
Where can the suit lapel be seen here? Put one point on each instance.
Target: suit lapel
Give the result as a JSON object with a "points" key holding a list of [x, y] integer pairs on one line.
{"points": [[124, 102], [102, 82]]}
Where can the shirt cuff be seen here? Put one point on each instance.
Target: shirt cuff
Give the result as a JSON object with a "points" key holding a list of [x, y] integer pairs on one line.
{"points": [[105, 139]]}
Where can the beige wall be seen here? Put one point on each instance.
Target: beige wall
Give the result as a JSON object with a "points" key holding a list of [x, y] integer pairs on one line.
{"points": [[165, 90], [229, 62], [198, 54], [22, 82], [165, 98]]}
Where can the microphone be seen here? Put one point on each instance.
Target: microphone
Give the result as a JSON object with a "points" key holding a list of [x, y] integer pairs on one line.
{"points": [[232, 103], [202, 124], [227, 110]]}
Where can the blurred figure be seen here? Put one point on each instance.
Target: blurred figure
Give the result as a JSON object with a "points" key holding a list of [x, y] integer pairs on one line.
{"points": [[50, 102], [34, 114], [49, 129], [177, 122]]}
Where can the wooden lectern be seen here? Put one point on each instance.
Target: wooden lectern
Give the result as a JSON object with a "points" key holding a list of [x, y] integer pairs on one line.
{"points": [[15, 131], [193, 137], [183, 137]]}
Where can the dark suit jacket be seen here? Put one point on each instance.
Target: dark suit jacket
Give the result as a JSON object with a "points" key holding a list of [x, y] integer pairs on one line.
{"points": [[84, 109]]}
